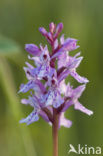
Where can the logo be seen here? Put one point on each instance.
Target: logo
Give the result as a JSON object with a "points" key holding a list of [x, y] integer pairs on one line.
{"points": [[84, 149]]}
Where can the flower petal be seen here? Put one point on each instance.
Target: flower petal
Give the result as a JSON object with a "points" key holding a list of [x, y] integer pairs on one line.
{"points": [[58, 101], [34, 101], [69, 45], [42, 71], [33, 49], [36, 60], [26, 87], [48, 98], [63, 75], [55, 44], [36, 85], [79, 106], [29, 73], [63, 59], [79, 78], [62, 39], [52, 27], [44, 116], [63, 87], [69, 91], [74, 62], [43, 31], [33, 117], [25, 101], [67, 105], [65, 122], [45, 57], [52, 98], [58, 30], [77, 92]]}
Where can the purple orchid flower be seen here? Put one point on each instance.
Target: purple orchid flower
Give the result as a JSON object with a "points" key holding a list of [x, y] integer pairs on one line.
{"points": [[51, 96], [70, 64], [38, 110], [72, 96]]}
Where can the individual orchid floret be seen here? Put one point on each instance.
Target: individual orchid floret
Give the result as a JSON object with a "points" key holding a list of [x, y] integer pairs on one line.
{"points": [[73, 95], [38, 110], [35, 85], [69, 44], [53, 96], [33, 117], [45, 57], [50, 96], [44, 68], [43, 65], [70, 64]]}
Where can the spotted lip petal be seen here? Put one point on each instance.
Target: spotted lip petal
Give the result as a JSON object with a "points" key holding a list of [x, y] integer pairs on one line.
{"points": [[56, 44], [52, 98], [58, 101], [63, 59], [29, 73]]}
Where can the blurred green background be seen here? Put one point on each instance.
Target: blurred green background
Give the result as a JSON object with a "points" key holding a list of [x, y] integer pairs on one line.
{"points": [[19, 22]]}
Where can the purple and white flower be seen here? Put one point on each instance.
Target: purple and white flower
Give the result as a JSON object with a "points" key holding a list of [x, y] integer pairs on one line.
{"points": [[46, 78]]}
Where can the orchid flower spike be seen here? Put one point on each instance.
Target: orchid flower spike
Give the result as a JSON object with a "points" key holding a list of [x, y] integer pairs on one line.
{"points": [[46, 78]]}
